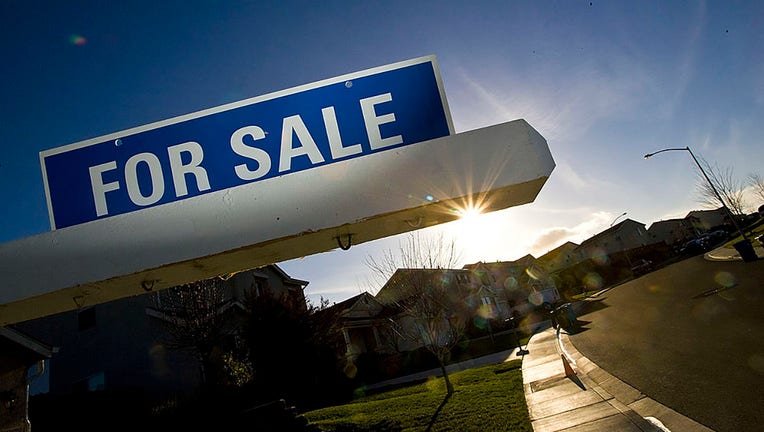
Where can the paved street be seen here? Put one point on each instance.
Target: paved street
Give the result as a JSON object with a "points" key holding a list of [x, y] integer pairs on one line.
{"points": [[690, 336]]}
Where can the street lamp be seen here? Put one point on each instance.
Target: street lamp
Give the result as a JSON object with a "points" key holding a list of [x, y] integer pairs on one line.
{"points": [[710, 183], [617, 217]]}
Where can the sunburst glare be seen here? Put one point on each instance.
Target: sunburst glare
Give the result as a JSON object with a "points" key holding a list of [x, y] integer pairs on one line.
{"points": [[470, 215]]}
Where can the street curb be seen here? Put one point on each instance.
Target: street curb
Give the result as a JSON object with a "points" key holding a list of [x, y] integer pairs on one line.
{"points": [[629, 396], [715, 255]]}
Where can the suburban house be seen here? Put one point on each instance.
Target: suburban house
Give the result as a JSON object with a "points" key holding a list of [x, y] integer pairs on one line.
{"points": [[519, 286], [671, 231], [559, 258], [480, 293], [626, 235], [706, 220], [456, 289], [125, 344], [363, 323], [22, 358], [365, 320]]}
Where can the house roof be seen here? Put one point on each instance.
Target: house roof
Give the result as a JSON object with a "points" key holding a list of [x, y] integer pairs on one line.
{"points": [[398, 288], [522, 270], [346, 304], [552, 254], [502, 266], [610, 231], [701, 213], [287, 278], [338, 309], [667, 222], [27, 342]]}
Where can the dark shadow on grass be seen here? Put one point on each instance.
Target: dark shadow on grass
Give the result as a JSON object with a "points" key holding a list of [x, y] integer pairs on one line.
{"points": [[437, 412]]}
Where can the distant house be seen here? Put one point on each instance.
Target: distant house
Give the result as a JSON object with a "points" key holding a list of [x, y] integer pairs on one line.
{"points": [[480, 293], [560, 258], [628, 234], [456, 285], [706, 220], [123, 344], [19, 354], [362, 321], [519, 286], [671, 231]]}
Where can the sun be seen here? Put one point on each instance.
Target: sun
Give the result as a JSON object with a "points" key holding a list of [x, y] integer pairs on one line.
{"points": [[470, 215]]}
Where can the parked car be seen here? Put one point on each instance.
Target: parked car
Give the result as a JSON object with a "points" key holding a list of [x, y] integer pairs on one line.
{"points": [[641, 267], [695, 246], [715, 237]]}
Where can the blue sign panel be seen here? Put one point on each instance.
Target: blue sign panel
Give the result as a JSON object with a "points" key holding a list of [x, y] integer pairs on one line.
{"points": [[269, 136]]}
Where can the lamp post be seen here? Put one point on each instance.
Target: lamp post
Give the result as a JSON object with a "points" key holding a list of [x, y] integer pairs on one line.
{"points": [[710, 183], [617, 217]]}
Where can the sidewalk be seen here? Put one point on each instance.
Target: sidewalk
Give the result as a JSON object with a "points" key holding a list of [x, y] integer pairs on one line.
{"points": [[730, 254], [587, 398]]}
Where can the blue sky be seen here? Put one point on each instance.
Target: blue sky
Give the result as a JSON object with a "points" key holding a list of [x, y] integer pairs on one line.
{"points": [[604, 81]]}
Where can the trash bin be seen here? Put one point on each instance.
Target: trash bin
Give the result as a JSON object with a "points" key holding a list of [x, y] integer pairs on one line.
{"points": [[560, 317], [566, 317], [746, 251]]}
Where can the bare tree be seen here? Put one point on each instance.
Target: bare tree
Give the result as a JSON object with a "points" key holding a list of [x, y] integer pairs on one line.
{"points": [[416, 252], [418, 283], [728, 186], [193, 318], [757, 183]]}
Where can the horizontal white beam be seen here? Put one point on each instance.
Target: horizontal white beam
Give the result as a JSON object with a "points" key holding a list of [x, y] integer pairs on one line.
{"points": [[275, 220]]}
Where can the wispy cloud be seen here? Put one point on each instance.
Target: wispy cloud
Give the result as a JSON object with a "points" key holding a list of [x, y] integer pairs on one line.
{"points": [[686, 67], [550, 238], [580, 98]]}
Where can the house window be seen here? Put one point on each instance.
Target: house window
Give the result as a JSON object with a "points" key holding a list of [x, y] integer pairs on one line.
{"points": [[461, 277], [487, 301], [258, 286], [86, 319]]}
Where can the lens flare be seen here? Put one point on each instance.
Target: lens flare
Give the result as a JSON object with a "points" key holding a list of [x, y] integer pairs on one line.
{"points": [[533, 272], [756, 363], [77, 40], [480, 322], [510, 283], [536, 298], [593, 281], [486, 311], [350, 369], [470, 214], [600, 257], [725, 279]]}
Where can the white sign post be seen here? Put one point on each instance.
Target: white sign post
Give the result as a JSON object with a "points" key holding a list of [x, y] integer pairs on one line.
{"points": [[151, 219]]}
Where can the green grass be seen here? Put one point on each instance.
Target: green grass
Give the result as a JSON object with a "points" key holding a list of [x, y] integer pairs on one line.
{"points": [[753, 234], [489, 398]]}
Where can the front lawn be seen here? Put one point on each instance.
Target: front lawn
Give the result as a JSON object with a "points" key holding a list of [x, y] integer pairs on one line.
{"points": [[752, 234], [489, 398]]}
